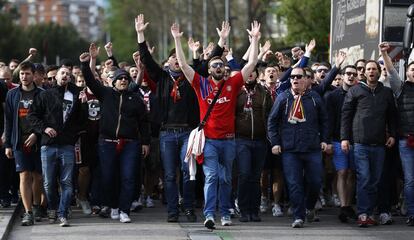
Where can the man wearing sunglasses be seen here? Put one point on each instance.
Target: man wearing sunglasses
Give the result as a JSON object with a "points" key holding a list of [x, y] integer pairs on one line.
{"points": [[344, 162], [220, 147], [298, 130], [360, 65]]}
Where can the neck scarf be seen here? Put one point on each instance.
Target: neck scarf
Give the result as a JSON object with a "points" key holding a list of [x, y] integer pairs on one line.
{"points": [[177, 77], [146, 98], [248, 106], [297, 113]]}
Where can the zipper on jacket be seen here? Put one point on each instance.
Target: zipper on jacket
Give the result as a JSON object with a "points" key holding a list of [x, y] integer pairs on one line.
{"points": [[17, 117], [251, 114], [119, 117]]}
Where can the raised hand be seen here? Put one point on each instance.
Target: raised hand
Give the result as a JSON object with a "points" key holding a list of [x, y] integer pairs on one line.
{"points": [[310, 46], [150, 49], [255, 29], [340, 58], [94, 50], [224, 31], [108, 49], [263, 49], [384, 47], [175, 30], [193, 46], [137, 59], [140, 24], [33, 51], [84, 57], [207, 51]]}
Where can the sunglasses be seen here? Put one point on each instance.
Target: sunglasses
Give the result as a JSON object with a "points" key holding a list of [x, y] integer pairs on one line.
{"points": [[322, 70], [349, 74], [361, 68], [51, 78], [217, 65], [122, 78], [297, 76]]}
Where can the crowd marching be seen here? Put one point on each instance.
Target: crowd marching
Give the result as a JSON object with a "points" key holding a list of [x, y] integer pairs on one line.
{"points": [[236, 136]]}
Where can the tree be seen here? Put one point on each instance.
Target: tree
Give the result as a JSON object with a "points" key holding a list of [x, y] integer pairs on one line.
{"points": [[306, 20]]}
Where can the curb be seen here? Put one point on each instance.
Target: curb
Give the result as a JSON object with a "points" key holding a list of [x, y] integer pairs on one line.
{"points": [[9, 226]]}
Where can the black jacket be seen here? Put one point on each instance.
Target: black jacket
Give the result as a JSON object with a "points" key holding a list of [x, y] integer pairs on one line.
{"points": [[334, 101], [183, 112], [368, 114], [47, 111], [123, 114], [405, 103]]}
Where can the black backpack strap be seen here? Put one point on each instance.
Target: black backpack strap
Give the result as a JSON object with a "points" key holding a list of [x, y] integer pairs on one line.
{"points": [[210, 108]]}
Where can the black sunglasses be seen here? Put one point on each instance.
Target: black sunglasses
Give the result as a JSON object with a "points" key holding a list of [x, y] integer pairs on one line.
{"points": [[360, 68], [296, 76], [351, 74], [322, 70]]}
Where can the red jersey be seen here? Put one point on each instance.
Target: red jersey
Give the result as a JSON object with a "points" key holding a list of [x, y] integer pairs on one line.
{"points": [[220, 124]]}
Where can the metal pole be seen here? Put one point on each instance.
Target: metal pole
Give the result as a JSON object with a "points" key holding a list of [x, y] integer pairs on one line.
{"points": [[227, 10], [190, 23], [205, 23]]}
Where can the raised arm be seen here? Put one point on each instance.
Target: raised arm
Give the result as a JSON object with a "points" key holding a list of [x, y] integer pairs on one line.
{"points": [[140, 27], [395, 80], [254, 32], [264, 49], [94, 52], [187, 70], [137, 60], [96, 87]]}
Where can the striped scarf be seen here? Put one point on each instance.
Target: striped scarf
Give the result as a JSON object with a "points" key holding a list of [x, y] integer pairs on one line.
{"points": [[297, 112]]}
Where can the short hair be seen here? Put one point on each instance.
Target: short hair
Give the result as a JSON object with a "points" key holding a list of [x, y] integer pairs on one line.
{"points": [[376, 63], [303, 70], [409, 64], [15, 61], [308, 69], [51, 68], [348, 66], [38, 67], [360, 60], [214, 58], [326, 64], [27, 66], [66, 62]]}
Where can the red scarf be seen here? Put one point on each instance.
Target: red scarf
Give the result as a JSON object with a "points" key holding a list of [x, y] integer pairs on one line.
{"points": [[146, 98], [297, 112], [175, 92], [248, 106]]}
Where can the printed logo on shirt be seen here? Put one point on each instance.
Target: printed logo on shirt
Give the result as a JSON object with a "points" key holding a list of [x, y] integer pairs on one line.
{"points": [[94, 110], [24, 107], [219, 101], [228, 88]]}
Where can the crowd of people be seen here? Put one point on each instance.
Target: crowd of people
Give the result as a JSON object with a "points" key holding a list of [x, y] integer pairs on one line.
{"points": [[237, 136]]}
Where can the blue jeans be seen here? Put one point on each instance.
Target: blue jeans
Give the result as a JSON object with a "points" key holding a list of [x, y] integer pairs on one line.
{"points": [[407, 160], [298, 167], [369, 161], [58, 159], [251, 156], [173, 147], [118, 171], [217, 167]]}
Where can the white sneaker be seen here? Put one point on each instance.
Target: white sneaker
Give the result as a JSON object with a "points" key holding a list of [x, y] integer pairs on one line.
{"points": [[298, 223], [323, 200], [263, 205], [86, 208], [226, 221], [385, 219], [114, 213], [209, 222], [318, 205], [124, 218], [150, 202], [277, 210]]}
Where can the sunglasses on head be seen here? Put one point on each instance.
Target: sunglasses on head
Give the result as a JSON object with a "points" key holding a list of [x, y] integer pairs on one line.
{"points": [[296, 76], [349, 74], [217, 65], [322, 70]]}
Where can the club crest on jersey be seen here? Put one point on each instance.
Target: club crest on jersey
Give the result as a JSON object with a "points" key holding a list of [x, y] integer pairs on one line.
{"points": [[228, 88]]}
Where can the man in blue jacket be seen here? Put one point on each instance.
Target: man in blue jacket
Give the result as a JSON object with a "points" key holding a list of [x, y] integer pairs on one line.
{"points": [[21, 142], [298, 129]]}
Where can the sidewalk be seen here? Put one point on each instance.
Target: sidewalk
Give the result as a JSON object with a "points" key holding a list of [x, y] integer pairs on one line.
{"points": [[150, 223], [6, 220]]}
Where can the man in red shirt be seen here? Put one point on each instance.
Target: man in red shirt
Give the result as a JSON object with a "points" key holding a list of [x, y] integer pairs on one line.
{"points": [[219, 149]]}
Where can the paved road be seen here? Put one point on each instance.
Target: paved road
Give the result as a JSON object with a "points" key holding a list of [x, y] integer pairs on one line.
{"points": [[151, 224]]}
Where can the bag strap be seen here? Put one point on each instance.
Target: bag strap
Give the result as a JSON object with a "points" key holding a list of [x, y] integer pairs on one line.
{"points": [[210, 108]]}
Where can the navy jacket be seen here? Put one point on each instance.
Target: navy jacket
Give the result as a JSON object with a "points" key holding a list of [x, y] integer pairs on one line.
{"points": [[11, 115], [302, 136]]}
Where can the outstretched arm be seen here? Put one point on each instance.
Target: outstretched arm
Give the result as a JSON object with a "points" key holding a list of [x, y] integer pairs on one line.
{"points": [[254, 32], [395, 81], [187, 70], [140, 27]]}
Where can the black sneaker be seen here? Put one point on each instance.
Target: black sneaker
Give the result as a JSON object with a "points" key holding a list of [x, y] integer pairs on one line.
{"points": [[244, 217], [410, 221], [343, 215], [27, 219], [172, 217], [191, 217], [254, 217], [36, 214], [52, 216], [43, 211], [351, 213], [105, 212]]}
